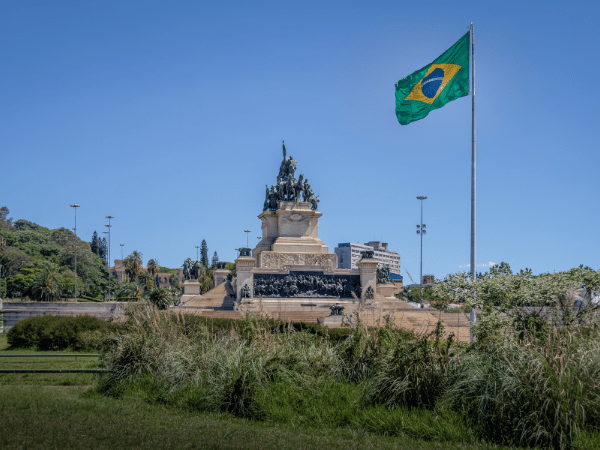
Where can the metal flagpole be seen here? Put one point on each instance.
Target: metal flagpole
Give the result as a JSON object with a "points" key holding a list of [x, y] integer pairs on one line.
{"points": [[473, 166]]}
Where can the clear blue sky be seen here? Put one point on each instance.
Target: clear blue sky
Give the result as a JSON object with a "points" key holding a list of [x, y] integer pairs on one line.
{"points": [[170, 116]]}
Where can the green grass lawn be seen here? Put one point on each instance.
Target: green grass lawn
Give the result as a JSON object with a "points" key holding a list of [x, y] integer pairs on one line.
{"points": [[75, 417], [44, 379]]}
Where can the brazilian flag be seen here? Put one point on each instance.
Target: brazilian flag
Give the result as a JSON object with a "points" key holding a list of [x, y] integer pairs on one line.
{"points": [[444, 80]]}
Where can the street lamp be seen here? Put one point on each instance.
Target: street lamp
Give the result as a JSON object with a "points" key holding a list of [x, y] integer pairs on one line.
{"points": [[197, 254], [121, 251], [421, 231], [109, 225], [247, 231], [75, 206]]}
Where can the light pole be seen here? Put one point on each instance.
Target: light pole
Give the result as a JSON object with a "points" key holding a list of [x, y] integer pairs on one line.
{"points": [[121, 251], [75, 206], [421, 231], [247, 232], [197, 254], [109, 225]]}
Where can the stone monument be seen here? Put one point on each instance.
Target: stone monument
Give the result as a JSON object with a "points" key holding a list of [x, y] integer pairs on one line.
{"points": [[291, 267]]}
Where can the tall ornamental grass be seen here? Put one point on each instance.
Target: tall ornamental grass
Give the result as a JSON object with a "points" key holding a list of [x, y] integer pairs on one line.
{"points": [[516, 389], [527, 394]]}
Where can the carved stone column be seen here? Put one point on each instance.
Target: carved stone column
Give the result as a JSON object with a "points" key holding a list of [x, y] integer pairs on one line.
{"points": [[243, 267], [368, 275]]}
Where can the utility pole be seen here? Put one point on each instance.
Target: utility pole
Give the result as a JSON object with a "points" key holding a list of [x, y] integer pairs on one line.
{"points": [[421, 231], [75, 206], [109, 225]]}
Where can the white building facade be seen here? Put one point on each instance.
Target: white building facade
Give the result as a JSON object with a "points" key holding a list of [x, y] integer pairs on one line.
{"points": [[349, 254]]}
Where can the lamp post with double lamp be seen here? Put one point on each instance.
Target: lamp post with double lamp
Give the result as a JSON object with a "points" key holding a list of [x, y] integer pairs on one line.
{"points": [[121, 245], [421, 231], [197, 254], [109, 225], [247, 232], [75, 206]]}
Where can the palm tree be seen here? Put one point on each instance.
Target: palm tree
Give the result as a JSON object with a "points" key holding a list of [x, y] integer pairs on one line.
{"points": [[205, 277], [161, 298], [153, 266], [133, 265], [46, 286]]}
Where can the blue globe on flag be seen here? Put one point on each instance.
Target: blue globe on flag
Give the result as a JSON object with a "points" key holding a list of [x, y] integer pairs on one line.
{"points": [[432, 82]]}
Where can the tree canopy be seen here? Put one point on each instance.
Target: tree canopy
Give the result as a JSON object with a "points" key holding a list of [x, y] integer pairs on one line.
{"points": [[39, 262]]}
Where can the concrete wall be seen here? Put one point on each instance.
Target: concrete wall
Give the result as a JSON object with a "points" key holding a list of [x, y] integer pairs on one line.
{"points": [[13, 312]]}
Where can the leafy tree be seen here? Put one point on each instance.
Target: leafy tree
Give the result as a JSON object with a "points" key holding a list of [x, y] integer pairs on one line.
{"points": [[129, 291], [5, 222], [13, 260], [103, 249], [133, 265], [504, 297], [31, 248], [95, 244], [153, 266], [204, 253], [215, 260], [232, 268], [19, 285], [173, 280], [161, 298], [205, 278], [46, 286]]}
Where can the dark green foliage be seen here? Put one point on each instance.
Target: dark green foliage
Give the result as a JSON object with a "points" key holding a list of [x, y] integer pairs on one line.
{"points": [[412, 373], [215, 260], [204, 253], [103, 249], [56, 332], [46, 286], [30, 249], [413, 294], [5, 222], [95, 243], [161, 298]]}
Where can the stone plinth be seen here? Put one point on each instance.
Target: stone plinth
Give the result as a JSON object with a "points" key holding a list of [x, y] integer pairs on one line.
{"points": [[368, 274], [220, 276], [191, 287], [243, 268], [386, 290], [292, 228]]}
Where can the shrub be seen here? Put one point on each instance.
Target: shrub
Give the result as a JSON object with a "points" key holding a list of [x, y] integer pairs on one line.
{"points": [[58, 332]]}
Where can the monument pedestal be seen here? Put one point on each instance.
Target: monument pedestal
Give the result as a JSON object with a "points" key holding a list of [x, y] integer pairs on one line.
{"points": [[368, 276], [243, 267], [292, 228], [191, 289], [386, 290], [220, 276]]}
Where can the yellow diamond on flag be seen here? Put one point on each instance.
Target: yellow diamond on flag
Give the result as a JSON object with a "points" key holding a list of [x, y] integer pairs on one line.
{"points": [[433, 83]]}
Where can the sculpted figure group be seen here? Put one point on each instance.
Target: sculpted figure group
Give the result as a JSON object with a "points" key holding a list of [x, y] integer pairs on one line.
{"points": [[288, 188], [191, 269], [306, 285]]}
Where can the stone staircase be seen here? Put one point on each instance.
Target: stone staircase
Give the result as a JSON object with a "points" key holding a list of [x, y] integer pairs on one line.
{"points": [[298, 316], [218, 298]]}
